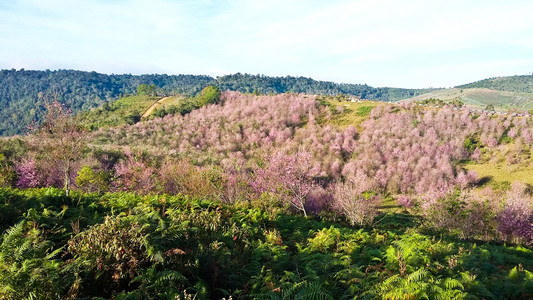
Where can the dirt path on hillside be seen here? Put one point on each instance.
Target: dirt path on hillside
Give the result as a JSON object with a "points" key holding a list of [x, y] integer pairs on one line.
{"points": [[154, 106]]}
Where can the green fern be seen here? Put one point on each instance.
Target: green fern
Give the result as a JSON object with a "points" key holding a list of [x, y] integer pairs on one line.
{"points": [[28, 269], [420, 285], [298, 291]]}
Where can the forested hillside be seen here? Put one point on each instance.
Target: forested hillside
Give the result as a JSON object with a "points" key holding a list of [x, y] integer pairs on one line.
{"points": [[23, 92], [247, 83], [520, 84]]}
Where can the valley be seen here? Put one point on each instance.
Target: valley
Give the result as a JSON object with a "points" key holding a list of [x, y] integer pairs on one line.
{"points": [[226, 193]]}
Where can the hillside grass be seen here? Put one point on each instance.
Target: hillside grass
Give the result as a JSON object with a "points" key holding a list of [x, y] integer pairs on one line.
{"points": [[347, 113], [168, 104], [503, 165], [521, 84], [126, 110], [133, 103], [502, 173], [174, 100], [162, 103], [481, 97]]}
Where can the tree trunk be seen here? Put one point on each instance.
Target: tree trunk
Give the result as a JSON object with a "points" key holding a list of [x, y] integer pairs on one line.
{"points": [[301, 203], [67, 178]]}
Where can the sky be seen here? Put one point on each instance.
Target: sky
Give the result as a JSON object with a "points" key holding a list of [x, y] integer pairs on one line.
{"points": [[397, 43]]}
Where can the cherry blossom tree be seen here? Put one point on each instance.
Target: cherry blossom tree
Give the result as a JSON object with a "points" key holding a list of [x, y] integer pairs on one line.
{"points": [[516, 218], [359, 208], [60, 141], [134, 174], [287, 176], [27, 174]]}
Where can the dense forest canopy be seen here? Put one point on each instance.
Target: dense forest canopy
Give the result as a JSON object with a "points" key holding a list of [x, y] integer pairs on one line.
{"points": [[24, 92], [247, 83]]}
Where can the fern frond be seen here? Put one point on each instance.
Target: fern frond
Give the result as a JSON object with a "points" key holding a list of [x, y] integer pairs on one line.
{"points": [[313, 291]]}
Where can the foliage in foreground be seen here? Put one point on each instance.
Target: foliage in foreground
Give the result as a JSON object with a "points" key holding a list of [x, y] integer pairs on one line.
{"points": [[264, 160], [125, 246], [284, 145]]}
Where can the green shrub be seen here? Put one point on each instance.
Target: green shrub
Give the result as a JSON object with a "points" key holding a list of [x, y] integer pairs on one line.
{"points": [[90, 181], [363, 111], [29, 268], [109, 255], [209, 95]]}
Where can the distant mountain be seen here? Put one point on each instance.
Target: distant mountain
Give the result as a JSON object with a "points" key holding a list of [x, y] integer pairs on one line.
{"points": [[518, 84], [24, 92], [504, 93], [247, 83], [481, 97]]}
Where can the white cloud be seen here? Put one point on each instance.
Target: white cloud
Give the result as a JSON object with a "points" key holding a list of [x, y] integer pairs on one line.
{"points": [[371, 41]]}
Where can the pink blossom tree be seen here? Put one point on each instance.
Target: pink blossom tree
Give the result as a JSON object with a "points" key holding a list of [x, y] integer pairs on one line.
{"points": [[134, 174], [287, 176], [516, 218], [27, 174], [60, 141], [358, 208]]}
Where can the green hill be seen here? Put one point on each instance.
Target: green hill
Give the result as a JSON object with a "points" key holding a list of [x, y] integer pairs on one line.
{"points": [[481, 97], [126, 110], [503, 93], [132, 109], [24, 92], [518, 84]]}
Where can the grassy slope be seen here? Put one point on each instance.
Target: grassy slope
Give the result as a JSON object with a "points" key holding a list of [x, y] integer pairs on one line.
{"points": [[117, 112], [519, 84], [498, 170], [171, 101], [126, 110], [502, 92], [351, 113], [500, 173], [481, 97], [162, 103]]}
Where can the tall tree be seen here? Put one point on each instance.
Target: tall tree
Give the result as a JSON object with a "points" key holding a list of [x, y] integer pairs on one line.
{"points": [[60, 140], [146, 89], [289, 177], [209, 95]]}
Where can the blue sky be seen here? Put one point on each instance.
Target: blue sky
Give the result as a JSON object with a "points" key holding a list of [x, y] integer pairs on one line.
{"points": [[412, 43]]}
